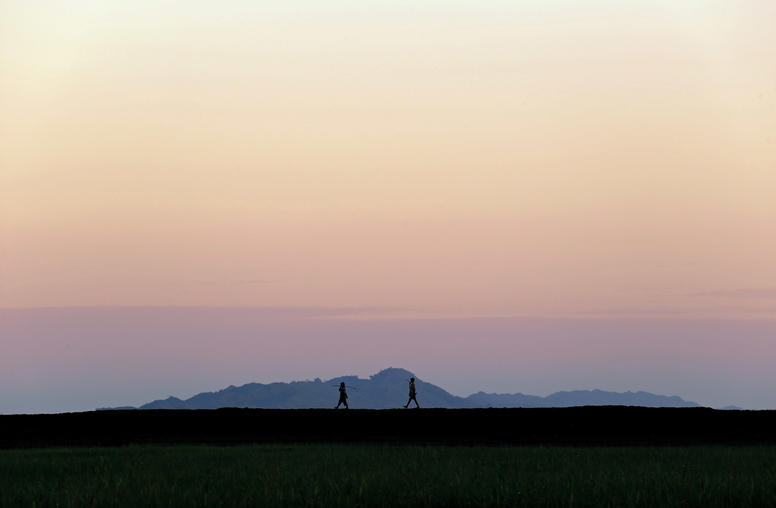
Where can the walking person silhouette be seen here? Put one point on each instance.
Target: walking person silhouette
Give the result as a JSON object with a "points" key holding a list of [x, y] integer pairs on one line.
{"points": [[343, 396], [412, 394]]}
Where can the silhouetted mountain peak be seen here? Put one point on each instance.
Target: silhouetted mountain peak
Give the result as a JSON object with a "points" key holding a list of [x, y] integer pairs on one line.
{"points": [[388, 389], [392, 373]]}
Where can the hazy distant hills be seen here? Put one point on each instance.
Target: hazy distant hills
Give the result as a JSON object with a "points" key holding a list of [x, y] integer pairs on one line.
{"points": [[388, 389], [578, 398]]}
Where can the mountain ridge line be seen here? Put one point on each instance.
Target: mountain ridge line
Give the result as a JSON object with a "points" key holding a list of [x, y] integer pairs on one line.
{"points": [[388, 389]]}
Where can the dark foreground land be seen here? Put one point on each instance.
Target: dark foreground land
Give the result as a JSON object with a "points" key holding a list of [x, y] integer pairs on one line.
{"points": [[373, 474], [589, 456], [581, 426]]}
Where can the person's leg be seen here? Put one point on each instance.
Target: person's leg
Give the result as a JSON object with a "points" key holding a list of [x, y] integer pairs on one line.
{"points": [[408, 403]]}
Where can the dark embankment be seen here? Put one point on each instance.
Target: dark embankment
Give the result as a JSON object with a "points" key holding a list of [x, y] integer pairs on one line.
{"points": [[608, 426]]}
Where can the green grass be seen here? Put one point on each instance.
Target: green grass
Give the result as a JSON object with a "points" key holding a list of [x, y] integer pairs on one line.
{"points": [[385, 475]]}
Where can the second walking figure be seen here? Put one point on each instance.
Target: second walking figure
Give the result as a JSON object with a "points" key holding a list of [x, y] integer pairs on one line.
{"points": [[412, 394]]}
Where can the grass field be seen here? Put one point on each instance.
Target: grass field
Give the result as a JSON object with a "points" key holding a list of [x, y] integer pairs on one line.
{"points": [[388, 475]]}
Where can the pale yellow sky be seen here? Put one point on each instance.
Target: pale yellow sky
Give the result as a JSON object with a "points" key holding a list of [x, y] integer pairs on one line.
{"points": [[446, 158]]}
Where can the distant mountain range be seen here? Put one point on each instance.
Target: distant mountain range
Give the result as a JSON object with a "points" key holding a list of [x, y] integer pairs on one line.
{"points": [[388, 389]]}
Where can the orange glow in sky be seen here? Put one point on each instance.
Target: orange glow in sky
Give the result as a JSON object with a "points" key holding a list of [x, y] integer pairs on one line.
{"points": [[460, 158]]}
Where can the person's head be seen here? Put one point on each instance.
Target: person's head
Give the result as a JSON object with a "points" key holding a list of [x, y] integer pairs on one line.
{"points": [[412, 380], [342, 385]]}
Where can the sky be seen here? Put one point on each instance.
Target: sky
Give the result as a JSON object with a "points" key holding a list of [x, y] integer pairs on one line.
{"points": [[604, 167]]}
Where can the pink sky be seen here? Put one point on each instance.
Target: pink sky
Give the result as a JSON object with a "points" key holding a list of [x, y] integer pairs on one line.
{"points": [[82, 358], [607, 161]]}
